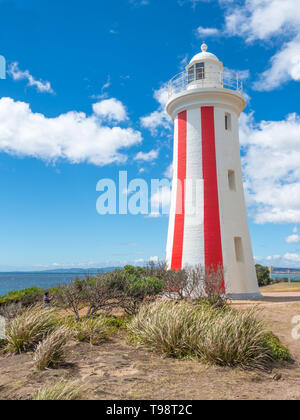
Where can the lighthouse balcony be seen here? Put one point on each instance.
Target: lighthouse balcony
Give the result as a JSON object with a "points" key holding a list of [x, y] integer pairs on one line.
{"points": [[198, 77]]}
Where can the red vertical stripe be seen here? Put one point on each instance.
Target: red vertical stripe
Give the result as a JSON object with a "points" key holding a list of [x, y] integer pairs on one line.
{"points": [[212, 229], [176, 263]]}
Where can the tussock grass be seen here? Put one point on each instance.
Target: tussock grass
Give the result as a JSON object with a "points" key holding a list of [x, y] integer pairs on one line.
{"points": [[93, 330], [225, 336], [25, 331], [60, 391], [51, 350]]}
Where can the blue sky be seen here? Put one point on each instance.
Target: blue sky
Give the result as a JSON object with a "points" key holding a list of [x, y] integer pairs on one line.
{"points": [[84, 98]]}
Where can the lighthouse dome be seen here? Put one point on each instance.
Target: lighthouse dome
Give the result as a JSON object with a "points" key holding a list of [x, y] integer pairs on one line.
{"points": [[204, 56]]}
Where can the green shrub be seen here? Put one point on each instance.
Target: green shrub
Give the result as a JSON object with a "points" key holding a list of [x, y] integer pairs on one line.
{"points": [[51, 351], [27, 297], [117, 322], [25, 331], [277, 349], [225, 337], [61, 391]]}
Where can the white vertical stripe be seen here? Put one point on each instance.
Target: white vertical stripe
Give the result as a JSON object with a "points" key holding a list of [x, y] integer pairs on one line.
{"points": [[240, 277], [173, 197], [193, 241]]}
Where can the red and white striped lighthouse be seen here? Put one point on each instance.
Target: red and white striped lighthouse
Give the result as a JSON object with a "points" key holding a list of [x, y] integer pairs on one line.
{"points": [[208, 223]]}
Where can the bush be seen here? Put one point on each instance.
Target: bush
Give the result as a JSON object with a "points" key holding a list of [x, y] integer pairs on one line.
{"points": [[263, 275], [62, 390], [71, 296], [225, 337], [93, 330], [51, 350], [25, 331], [277, 349], [27, 297]]}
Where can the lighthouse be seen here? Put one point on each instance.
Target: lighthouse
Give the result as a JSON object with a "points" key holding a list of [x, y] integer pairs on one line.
{"points": [[208, 223]]}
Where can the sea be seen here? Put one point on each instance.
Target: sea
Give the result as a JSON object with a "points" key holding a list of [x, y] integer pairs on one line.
{"points": [[44, 280]]}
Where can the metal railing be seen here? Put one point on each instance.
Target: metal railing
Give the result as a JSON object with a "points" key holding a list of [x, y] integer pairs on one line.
{"points": [[188, 80]]}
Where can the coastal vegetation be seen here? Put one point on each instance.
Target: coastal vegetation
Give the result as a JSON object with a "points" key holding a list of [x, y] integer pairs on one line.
{"points": [[60, 391], [221, 336], [181, 315]]}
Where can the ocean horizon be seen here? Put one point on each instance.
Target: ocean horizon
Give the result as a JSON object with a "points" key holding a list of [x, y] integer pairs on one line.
{"points": [[19, 280]]}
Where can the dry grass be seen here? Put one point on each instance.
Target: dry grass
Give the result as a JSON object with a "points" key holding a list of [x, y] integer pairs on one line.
{"points": [[51, 351], [60, 391], [282, 287], [25, 331], [224, 337]]}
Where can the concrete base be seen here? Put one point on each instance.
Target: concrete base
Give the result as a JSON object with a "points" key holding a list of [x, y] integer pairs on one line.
{"points": [[246, 296]]}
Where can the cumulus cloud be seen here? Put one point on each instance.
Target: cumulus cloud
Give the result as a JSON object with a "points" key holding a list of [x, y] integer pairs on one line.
{"points": [[293, 239], [271, 168], [169, 172], [160, 117], [147, 157], [284, 66], [73, 136], [17, 74], [207, 32], [262, 20], [110, 110], [288, 260]]}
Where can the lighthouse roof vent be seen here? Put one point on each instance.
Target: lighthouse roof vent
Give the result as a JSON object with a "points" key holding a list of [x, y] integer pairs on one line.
{"points": [[204, 56]]}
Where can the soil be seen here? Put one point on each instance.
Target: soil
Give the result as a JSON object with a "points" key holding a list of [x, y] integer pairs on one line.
{"points": [[117, 370]]}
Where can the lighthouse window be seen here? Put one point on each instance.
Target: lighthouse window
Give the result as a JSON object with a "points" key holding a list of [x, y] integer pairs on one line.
{"points": [[199, 71], [196, 72], [191, 76], [231, 180], [227, 122], [239, 253]]}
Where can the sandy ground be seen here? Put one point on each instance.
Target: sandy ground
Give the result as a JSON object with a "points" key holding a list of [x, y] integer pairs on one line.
{"points": [[117, 370]]}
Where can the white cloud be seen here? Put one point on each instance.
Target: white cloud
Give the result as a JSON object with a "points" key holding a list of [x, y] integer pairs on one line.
{"points": [[293, 239], [17, 74], [271, 168], [110, 110], [262, 20], [160, 117], [147, 157], [295, 230], [104, 88], [288, 260], [169, 172], [207, 32], [285, 66], [138, 3], [73, 136]]}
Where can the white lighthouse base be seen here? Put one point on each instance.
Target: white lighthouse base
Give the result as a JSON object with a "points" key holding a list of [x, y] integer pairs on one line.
{"points": [[245, 296]]}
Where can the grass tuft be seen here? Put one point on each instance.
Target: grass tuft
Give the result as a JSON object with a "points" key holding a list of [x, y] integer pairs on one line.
{"points": [[60, 391], [25, 331], [221, 336], [51, 351]]}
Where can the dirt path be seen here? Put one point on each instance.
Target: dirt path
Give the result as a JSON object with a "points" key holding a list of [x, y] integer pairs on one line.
{"points": [[116, 370]]}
